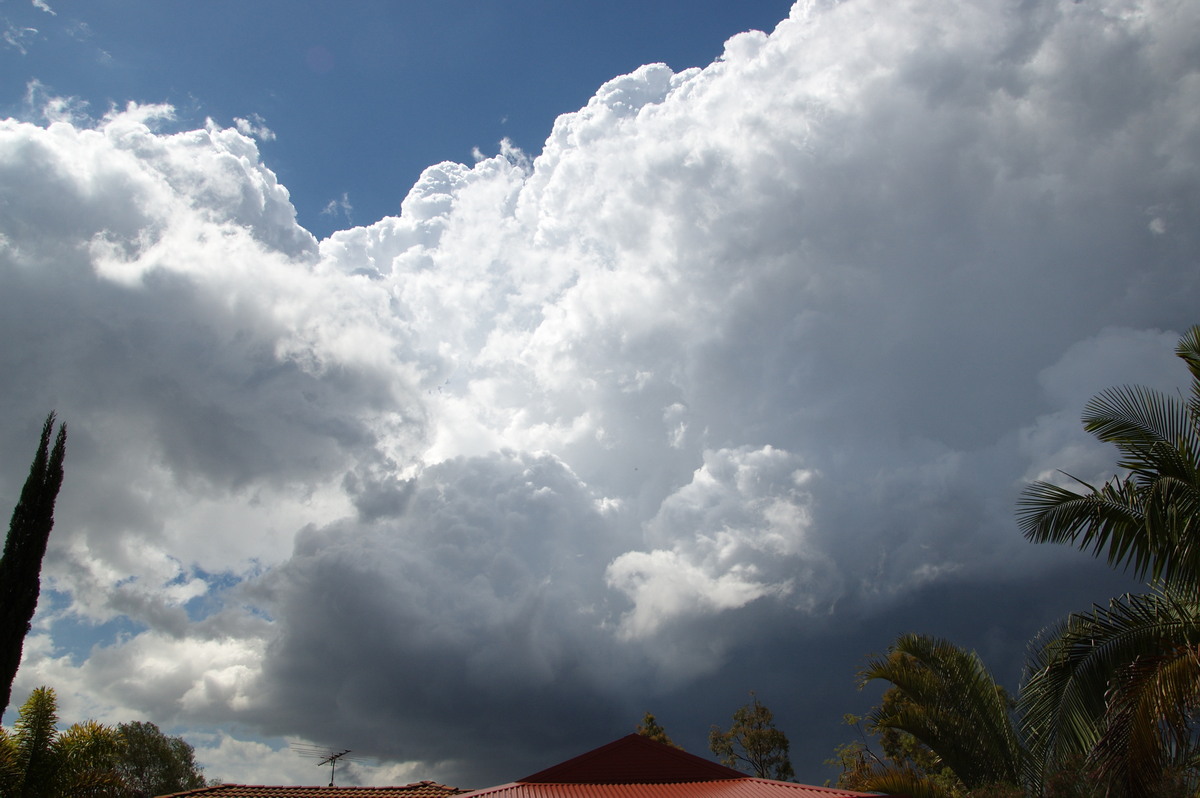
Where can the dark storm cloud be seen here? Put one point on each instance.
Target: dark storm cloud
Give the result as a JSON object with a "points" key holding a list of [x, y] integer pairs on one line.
{"points": [[477, 615]]}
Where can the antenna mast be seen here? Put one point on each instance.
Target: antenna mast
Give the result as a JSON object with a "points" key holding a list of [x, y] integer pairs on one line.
{"points": [[332, 761], [327, 756]]}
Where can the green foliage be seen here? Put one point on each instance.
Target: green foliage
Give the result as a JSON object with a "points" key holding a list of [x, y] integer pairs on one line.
{"points": [[649, 727], [32, 740], [1149, 520], [1110, 697], [1116, 690], [945, 726], [89, 759], [86, 755], [1113, 693], [40, 762], [151, 763], [753, 742], [905, 767], [24, 548]]}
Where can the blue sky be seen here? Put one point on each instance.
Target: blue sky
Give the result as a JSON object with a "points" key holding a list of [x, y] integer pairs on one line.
{"points": [[724, 377], [362, 96]]}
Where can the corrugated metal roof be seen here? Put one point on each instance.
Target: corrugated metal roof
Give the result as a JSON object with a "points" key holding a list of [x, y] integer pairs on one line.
{"points": [[638, 767], [725, 788], [420, 789]]}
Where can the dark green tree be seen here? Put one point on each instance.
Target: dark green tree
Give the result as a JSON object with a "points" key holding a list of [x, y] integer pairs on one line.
{"points": [[753, 742], [24, 548], [151, 763], [1119, 688], [649, 727], [1114, 692], [903, 764], [133, 760], [1109, 703], [946, 726], [1147, 521]]}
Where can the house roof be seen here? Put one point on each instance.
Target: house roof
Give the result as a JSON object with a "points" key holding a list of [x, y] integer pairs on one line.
{"points": [[634, 758], [733, 788], [420, 789], [638, 767]]}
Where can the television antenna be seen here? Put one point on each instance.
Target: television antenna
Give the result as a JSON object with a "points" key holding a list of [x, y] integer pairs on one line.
{"points": [[326, 756]]}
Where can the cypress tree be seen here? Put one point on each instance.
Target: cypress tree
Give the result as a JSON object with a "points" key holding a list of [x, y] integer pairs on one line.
{"points": [[21, 564]]}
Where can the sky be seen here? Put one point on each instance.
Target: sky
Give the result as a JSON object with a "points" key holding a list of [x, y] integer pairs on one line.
{"points": [[455, 382]]}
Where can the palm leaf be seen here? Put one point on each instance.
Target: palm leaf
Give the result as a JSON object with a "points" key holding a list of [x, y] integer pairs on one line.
{"points": [[1155, 432], [88, 755], [1146, 728], [952, 705], [10, 769], [1108, 519], [1146, 521], [1064, 703], [903, 781]]}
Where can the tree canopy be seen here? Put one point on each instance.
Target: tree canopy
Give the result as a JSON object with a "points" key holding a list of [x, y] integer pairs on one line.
{"points": [[753, 743], [38, 761], [1118, 687], [132, 760], [650, 727], [152, 763], [946, 725]]}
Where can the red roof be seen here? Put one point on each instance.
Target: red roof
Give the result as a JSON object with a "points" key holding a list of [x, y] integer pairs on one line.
{"points": [[746, 787], [638, 767], [420, 789], [634, 758]]}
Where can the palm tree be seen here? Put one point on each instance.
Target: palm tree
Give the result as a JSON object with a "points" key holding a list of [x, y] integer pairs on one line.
{"points": [[1148, 520], [945, 697], [1117, 688], [37, 761]]}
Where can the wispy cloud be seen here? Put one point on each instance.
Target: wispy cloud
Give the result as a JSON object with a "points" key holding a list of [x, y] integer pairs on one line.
{"points": [[340, 208], [18, 37], [254, 127]]}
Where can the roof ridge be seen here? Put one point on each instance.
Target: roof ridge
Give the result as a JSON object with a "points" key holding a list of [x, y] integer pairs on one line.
{"points": [[631, 759]]}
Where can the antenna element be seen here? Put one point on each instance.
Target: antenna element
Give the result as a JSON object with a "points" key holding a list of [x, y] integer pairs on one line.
{"points": [[327, 756]]}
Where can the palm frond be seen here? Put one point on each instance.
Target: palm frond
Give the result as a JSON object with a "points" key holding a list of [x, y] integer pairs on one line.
{"points": [[903, 781], [1151, 530], [10, 769], [1146, 729], [1155, 432], [1149, 520], [1107, 519], [1071, 669], [952, 705], [88, 755], [1188, 350]]}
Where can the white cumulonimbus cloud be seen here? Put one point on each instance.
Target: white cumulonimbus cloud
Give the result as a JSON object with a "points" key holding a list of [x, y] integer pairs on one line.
{"points": [[779, 338]]}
